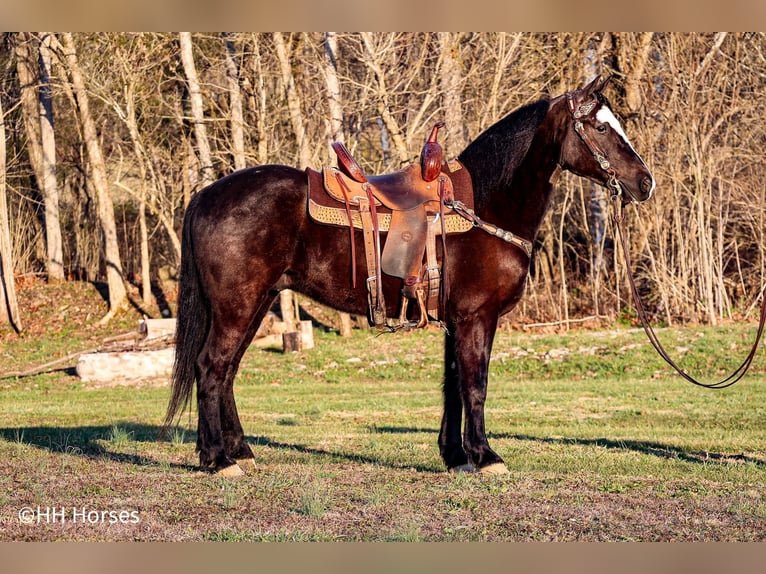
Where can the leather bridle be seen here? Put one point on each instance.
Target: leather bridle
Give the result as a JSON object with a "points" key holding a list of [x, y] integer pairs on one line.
{"points": [[617, 198], [579, 112]]}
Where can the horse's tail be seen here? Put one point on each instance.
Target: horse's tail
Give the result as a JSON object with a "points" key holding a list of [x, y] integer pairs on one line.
{"points": [[192, 324]]}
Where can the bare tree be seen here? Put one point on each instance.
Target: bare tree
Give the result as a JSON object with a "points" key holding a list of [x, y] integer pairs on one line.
{"points": [[373, 55], [504, 49], [293, 100], [450, 81], [117, 291], [38, 119], [9, 307], [335, 131], [235, 100], [257, 98], [49, 183], [197, 108], [330, 69]]}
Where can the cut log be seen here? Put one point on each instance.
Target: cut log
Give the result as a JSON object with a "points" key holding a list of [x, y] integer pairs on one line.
{"points": [[125, 366], [307, 335], [155, 328], [345, 325]]}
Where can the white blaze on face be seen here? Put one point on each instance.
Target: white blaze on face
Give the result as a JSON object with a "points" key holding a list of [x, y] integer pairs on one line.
{"points": [[605, 116]]}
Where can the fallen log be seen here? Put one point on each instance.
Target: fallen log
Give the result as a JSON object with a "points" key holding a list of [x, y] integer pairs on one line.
{"points": [[125, 365], [155, 328]]}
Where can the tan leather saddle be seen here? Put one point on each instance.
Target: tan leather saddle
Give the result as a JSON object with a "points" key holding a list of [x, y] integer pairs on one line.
{"points": [[407, 210]]}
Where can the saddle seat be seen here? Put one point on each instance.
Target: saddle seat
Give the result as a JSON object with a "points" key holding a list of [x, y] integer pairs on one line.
{"points": [[408, 187], [399, 191]]}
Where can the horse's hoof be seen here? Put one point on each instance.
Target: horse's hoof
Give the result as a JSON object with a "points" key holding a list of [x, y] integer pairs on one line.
{"points": [[246, 464], [232, 471], [496, 468], [466, 468]]}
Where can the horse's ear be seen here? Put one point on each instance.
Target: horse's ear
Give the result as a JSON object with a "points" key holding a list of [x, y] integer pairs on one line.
{"points": [[596, 85]]}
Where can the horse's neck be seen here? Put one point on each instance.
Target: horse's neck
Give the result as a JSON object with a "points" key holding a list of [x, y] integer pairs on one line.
{"points": [[523, 205]]}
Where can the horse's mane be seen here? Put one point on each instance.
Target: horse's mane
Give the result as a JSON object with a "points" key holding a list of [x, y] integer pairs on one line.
{"points": [[496, 153]]}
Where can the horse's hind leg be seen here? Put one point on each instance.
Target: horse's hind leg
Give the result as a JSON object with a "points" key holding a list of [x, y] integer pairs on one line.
{"points": [[215, 371], [221, 439], [235, 444]]}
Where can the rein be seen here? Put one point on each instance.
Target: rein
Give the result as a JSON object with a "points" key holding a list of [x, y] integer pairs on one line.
{"points": [[735, 376], [619, 222]]}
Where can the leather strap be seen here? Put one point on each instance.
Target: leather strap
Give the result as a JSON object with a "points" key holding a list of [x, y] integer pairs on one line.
{"points": [[433, 274], [347, 163], [347, 202], [377, 305], [378, 267], [459, 208], [734, 377], [445, 194]]}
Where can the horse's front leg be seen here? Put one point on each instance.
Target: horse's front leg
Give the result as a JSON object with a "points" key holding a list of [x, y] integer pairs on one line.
{"points": [[450, 436], [473, 346]]}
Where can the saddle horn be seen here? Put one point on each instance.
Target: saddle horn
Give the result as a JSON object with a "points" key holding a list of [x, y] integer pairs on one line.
{"points": [[432, 155]]}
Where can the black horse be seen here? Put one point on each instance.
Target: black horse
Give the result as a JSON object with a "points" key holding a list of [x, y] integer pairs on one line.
{"points": [[248, 236]]}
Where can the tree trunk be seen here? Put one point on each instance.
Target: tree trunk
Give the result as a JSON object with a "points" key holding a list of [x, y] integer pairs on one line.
{"points": [[335, 133], [330, 69], [235, 103], [258, 87], [293, 101], [117, 292], [9, 307], [132, 123], [197, 109], [372, 59], [26, 69], [288, 307], [34, 81], [450, 81], [55, 251]]}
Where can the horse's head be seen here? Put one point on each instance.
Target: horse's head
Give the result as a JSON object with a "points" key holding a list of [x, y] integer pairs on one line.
{"points": [[596, 147]]}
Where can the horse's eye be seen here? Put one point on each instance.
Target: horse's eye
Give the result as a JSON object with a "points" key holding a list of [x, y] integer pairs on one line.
{"points": [[601, 129]]}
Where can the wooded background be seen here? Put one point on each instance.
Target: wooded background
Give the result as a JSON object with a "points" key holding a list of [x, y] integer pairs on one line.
{"points": [[106, 137]]}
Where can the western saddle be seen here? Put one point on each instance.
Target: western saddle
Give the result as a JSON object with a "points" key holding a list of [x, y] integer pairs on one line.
{"points": [[409, 208]]}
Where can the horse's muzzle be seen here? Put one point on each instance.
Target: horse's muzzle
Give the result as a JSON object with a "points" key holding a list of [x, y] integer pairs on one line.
{"points": [[647, 186], [638, 193]]}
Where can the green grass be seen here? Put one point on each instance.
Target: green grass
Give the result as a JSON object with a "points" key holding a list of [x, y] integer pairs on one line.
{"points": [[602, 440]]}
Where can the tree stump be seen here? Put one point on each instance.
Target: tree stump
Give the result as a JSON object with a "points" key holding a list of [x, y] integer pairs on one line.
{"points": [[291, 342]]}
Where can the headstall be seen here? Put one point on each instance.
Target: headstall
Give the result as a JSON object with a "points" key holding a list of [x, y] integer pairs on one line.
{"points": [[582, 111]]}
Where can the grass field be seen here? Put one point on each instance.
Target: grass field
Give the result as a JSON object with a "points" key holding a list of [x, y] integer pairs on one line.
{"points": [[602, 442]]}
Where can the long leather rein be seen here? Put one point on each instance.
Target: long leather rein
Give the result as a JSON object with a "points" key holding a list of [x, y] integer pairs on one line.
{"points": [[736, 375], [619, 222]]}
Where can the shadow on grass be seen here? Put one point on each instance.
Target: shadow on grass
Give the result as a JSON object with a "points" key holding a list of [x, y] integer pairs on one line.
{"points": [[93, 442], [334, 455], [89, 441], [643, 447]]}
